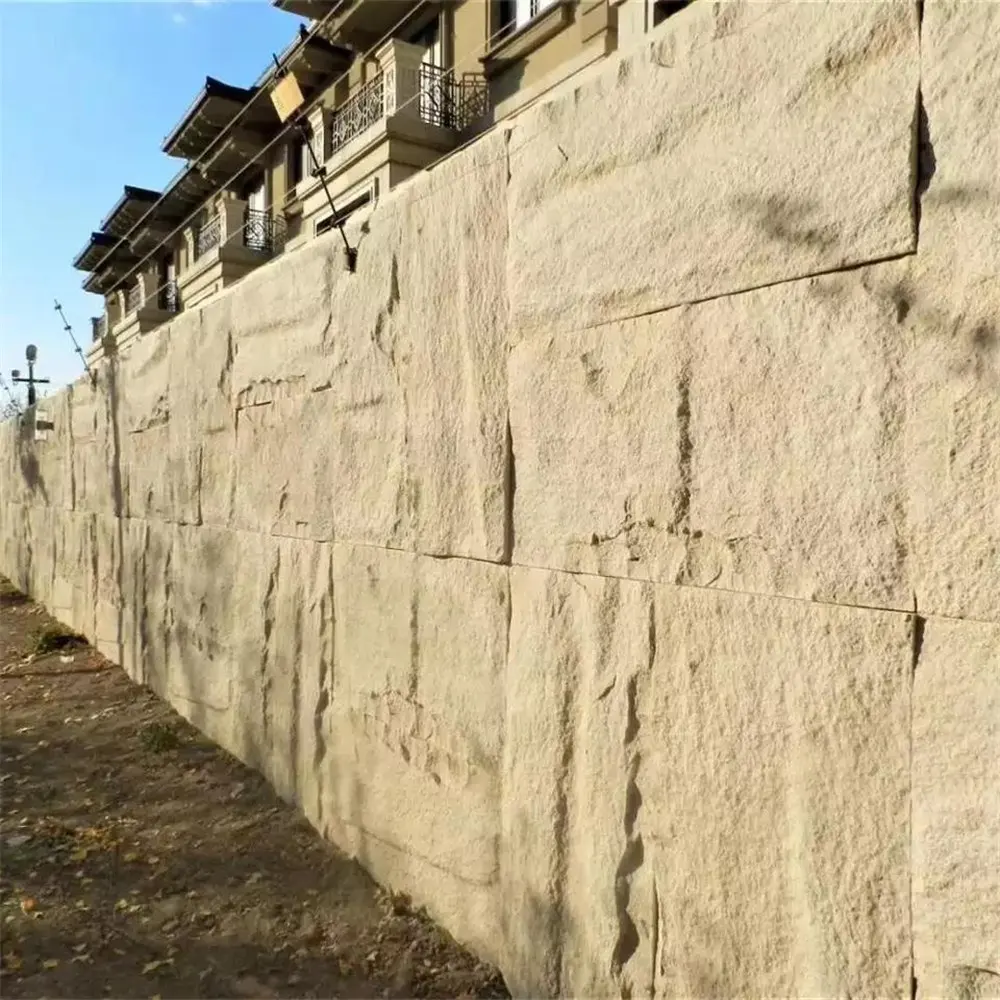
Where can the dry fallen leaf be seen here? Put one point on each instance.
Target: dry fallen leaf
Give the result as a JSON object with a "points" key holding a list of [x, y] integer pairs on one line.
{"points": [[28, 904], [50, 963], [151, 967]]}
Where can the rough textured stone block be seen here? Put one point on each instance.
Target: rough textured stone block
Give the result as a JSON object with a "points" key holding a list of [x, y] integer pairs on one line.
{"points": [[203, 424], [277, 321], [97, 485], [73, 591], [445, 334], [413, 729], [200, 659], [594, 431], [775, 788], [316, 466], [950, 300], [109, 608], [368, 427], [577, 645], [746, 143], [283, 665], [751, 443], [754, 761], [153, 567], [956, 810]]}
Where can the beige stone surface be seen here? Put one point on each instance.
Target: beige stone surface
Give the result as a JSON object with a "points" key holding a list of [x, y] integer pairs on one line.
{"points": [[416, 702], [73, 585], [717, 791], [202, 623], [746, 143], [643, 450], [202, 427], [110, 610], [400, 438], [952, 298], [283, 663], [93, 446], [608, 765], [775, 790], [577, 645], [956, 808]]}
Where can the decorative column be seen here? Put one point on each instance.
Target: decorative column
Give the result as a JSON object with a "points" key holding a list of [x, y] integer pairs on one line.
{"points": [[400, 64], [189, 238], [232, 218], [149, 285], [319, 135], [116, 308], [634, 20]]}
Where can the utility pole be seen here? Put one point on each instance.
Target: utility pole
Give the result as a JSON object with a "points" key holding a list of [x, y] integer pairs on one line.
{"points": [[30, 355]]}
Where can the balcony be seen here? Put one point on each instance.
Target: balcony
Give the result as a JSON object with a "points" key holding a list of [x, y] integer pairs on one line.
{"points": [[358, 114], [133, 298], [262, 233], [227, 246], [169, 297], [400, 121], [451, 102], [207, 237]]}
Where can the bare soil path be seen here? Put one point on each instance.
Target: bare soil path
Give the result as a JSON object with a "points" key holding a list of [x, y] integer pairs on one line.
{"points": [[137, 859]]}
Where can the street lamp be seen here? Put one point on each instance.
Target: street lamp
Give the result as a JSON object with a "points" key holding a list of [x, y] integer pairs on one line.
{"points": [[30, 354]]}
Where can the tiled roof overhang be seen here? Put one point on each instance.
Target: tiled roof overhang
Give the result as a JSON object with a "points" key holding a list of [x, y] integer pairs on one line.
{"points": [[311, 9], [134, 203], [207, 118], [182, 196], [95, 251]]}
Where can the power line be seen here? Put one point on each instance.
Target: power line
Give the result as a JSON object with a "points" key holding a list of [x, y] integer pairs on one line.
{"points": [[466, 57], [69, 330], [303, 40]]}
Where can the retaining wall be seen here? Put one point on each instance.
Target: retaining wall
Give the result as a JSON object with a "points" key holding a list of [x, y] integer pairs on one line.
{"points": [[613, 561]]}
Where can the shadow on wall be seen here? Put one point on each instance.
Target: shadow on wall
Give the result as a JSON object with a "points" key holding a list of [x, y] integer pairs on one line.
{"points": [[975, 338], [787, 220], [31, 470]]}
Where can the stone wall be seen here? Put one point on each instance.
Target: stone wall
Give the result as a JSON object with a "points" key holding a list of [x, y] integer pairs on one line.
{"points": [[613, 561]]}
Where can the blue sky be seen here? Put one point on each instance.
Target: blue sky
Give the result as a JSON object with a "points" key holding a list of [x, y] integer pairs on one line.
{"points": [[88, 90]]}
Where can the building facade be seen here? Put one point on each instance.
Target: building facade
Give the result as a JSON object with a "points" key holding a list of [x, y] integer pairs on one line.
{"points": [[389, 87]]}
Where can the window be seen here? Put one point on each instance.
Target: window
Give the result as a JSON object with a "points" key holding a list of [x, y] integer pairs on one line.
{"points": [[299, 161], [255, 194], [515, 14], [343, 214], [662, 9]]}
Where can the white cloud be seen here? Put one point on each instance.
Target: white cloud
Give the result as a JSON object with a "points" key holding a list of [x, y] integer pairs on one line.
{"points": [[178, 18]]}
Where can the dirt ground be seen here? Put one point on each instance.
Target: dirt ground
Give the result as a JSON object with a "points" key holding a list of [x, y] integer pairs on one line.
{"points": [[139, 860]]}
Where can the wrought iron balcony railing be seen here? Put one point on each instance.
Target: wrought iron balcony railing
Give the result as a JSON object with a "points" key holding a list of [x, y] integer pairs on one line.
{"points": [[358, 113], [133, 298], [263, 233], [170, 298], [207, 237], [455, 103]]}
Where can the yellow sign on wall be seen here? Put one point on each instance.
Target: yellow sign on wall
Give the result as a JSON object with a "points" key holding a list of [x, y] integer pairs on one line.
{"points": [[286, 96]]}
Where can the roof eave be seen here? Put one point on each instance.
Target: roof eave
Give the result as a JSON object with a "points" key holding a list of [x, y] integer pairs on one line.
{"points": [[212, 88]]}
